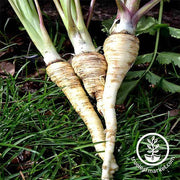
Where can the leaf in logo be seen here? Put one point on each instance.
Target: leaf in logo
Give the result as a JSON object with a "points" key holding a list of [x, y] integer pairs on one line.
{"points": [[149, 141], [156, 151], [156, 146], [149, 147], [153, 156], [155, 141], [153, 138]]}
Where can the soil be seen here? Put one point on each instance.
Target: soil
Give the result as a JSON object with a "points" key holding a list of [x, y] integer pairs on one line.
{"points": [[104, 9]]}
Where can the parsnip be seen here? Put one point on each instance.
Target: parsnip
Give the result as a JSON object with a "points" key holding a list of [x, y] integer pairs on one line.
{"points": [[89, 65], [60, 71], [91, 68], [120, 50], [63, 75]]}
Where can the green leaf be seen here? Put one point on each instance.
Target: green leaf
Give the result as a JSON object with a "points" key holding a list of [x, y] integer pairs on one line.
{"points": [[107, 25], [161, 82], [145, 58], [134, 74], [149, 25], [18, 147], [169, 57], [174, 32], [146, 25], [159, 26], [125, 89]]}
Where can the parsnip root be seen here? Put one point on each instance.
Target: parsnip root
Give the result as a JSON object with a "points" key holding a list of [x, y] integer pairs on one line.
{"points": [[63, 75], [120, 51], [91, 68]]}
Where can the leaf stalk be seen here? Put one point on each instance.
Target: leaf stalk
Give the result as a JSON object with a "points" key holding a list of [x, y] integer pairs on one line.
{"points": [[31, 18], [71, 14], [129, 14]]}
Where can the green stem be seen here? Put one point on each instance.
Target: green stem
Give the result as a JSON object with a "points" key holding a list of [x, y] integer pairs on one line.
{"points": [[157, 37], [80, 20], [70, 20], [156, 43], [31, 18], [71, 14], [60, 11]]}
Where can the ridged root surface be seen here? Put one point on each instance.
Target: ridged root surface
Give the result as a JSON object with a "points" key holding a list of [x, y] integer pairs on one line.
{"points": [[91, 68], [120, 51], [63, 75]]}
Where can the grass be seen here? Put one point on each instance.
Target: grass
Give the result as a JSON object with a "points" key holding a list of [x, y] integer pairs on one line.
{"points": [[44, 124], [44, 121], [42, 137]]}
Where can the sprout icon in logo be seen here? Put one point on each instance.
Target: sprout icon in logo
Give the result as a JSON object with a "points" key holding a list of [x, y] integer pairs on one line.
{"points": [[152, 149]]}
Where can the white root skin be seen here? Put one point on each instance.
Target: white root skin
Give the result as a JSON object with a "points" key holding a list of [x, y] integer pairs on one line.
{"points": [[64, 76], [81, 42], [120, 52], [91, 68], [124, 25], [50, 55]]}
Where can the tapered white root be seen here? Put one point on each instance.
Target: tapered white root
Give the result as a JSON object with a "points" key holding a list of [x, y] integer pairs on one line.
{"points": [[120, 51], [91, 68], [64, 76]]}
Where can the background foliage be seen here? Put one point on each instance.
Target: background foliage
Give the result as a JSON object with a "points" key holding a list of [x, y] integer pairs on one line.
{"points": [[41, 136]]}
